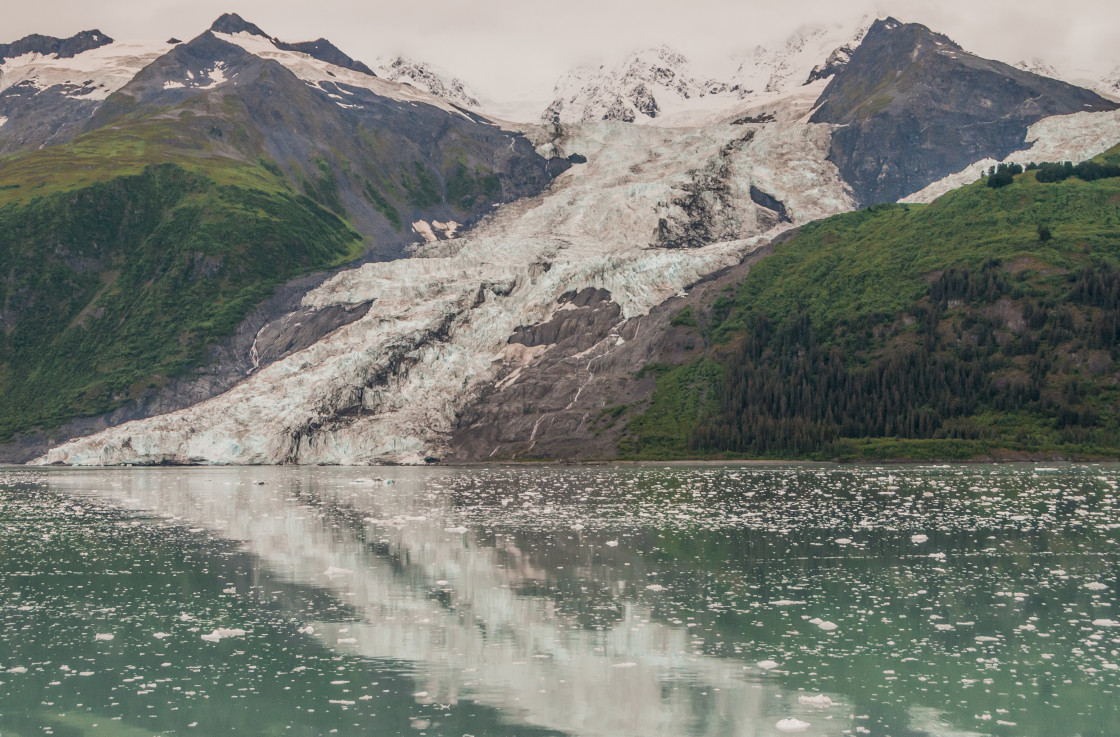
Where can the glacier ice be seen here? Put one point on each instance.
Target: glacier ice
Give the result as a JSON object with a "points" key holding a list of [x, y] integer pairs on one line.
{"points": [[387, 387]]}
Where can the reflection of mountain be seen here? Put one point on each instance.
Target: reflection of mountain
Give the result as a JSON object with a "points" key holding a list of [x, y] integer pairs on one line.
{"points": [[616, 601], [451, 606]]}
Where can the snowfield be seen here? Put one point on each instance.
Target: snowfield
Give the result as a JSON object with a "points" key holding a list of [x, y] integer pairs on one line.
{"points": [[387, 387], [91, 75], [328, 76]]}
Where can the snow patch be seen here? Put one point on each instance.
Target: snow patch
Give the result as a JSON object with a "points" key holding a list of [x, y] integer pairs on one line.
{"points": [[1075, 138], [317, 72], [91, 75]]}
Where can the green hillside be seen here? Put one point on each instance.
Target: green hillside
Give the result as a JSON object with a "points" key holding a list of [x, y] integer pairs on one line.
{"points": [[111, 288], [984, 324]]}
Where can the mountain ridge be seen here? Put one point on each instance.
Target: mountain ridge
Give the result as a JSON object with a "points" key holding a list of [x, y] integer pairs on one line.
{"points": [[500, 267]]}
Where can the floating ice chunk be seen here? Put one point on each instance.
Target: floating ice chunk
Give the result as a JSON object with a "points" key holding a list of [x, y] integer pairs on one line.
{"points": [[333, 572], [612, 543], [787, 602], [843, 541], [624, 665], [460, 529], [161, 635], [17, 669], [818, 700], [767, 665], [184, 617], [655, 587], [792, 725], [1096, 586], [918, 539], [827, 626], [1105, 623], [442, 582], [347, 640], [308, 630], [103, 636], [224, 632]]}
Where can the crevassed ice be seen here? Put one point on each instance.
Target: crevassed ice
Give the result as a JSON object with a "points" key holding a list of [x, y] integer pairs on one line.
{"points": [[438, 327]]}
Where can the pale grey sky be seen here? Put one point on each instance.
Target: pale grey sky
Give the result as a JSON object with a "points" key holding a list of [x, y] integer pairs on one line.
{"points": [[505, 47]]}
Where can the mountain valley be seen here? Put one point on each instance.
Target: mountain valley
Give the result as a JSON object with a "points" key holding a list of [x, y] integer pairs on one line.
{"points": [[241, 250]]}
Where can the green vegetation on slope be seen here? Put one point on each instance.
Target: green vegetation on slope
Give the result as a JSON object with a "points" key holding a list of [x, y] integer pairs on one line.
{"points": [[985, 323], [114, 288]]}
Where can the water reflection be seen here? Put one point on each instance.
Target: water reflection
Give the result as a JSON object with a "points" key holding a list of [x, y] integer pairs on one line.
{"points": [[458, 603], [650, 601]]}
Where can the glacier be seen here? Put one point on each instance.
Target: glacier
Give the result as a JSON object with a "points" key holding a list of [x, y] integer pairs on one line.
{"points": [[387, 388]]}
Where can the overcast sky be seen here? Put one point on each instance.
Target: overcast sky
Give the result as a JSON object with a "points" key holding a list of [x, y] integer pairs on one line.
{"points": [[504, 48]]}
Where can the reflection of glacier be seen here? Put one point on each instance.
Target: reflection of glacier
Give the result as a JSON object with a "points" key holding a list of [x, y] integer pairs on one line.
{"points": [[437, 598]]}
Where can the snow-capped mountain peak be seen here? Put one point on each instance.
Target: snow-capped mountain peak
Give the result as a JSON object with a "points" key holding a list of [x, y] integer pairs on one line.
{"points": [[1110, 85], [424, 76], [648, 84], [234, 23], [59, 48], [658, 83], [321, 49], [1036, 65], [810, 54], [89, 66]]}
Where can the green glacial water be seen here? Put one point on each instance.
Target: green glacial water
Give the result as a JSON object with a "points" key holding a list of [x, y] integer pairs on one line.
{"points": [[601, 601]]}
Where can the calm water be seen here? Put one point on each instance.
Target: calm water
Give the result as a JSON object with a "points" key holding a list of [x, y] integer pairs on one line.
{"points": [[645, 601]]}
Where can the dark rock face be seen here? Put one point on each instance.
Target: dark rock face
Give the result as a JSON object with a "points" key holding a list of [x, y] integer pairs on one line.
{"points": [[301, 329], [233, 23], [574, 401], [914, 107], [322, 49], [43, 117], [762, 199], [585, 317], [64, 48], [39, 117]]}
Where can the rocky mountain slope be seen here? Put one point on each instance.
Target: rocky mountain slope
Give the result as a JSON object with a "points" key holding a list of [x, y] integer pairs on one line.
{"points": [[911, 107], [423, 76], [390, 386], [246, 146], [50, 87]]}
